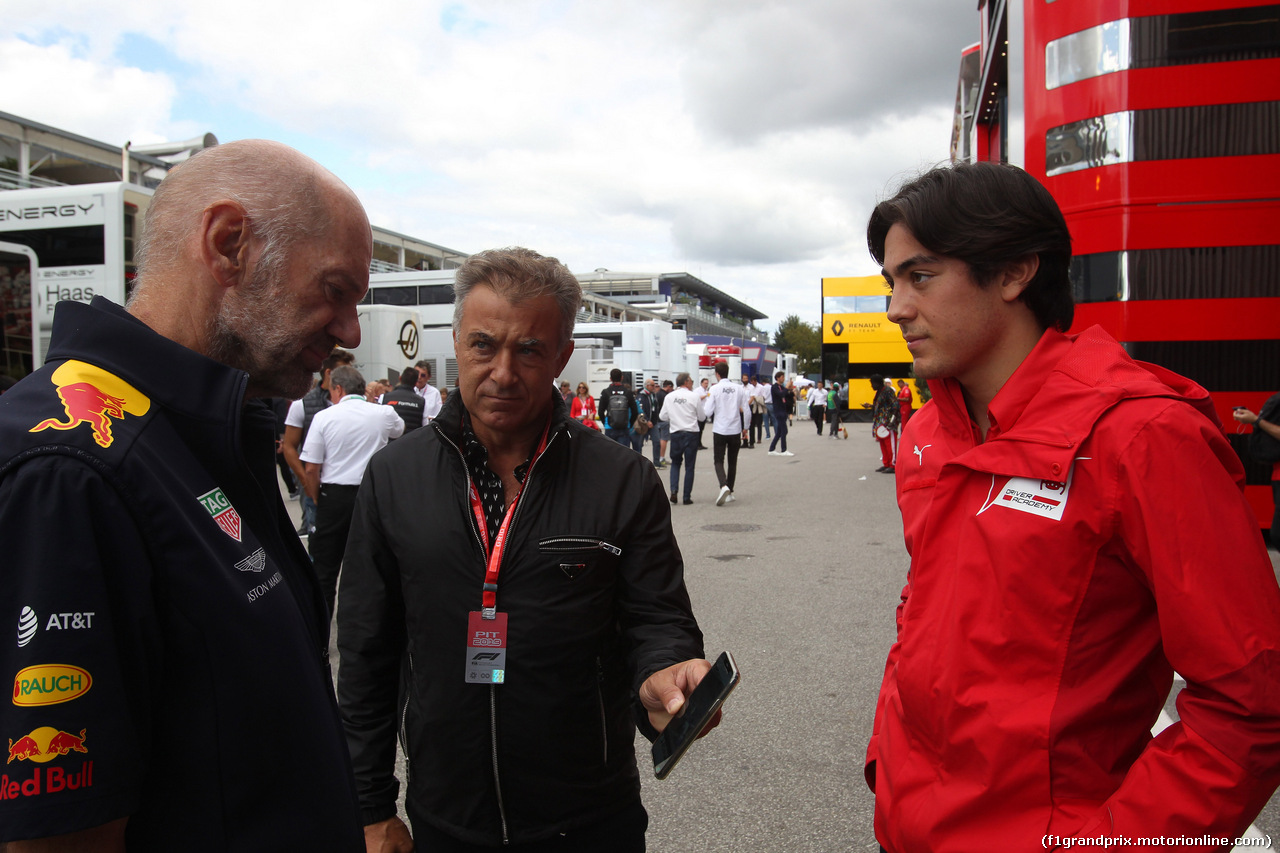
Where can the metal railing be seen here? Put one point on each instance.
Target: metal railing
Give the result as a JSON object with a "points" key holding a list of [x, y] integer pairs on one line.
{"points": [[726, 325], [11, 180], [377, 265]]}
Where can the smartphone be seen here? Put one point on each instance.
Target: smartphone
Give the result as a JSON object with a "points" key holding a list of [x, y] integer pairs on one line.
{"points": [[698, 710]]}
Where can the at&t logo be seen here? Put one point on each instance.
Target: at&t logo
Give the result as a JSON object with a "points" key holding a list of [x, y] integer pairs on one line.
{"points": [[29, 623]]}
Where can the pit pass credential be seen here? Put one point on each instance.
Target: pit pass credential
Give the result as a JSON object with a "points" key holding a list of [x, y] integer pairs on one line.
{"points": [[486, 648]]}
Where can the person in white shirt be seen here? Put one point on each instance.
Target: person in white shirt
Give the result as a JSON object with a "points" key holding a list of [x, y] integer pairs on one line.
{"points": [[682, 409], [428, 392], [755, 412], [298, 422], [817, 400], [701, 391], [730, 410], [339, 445]]}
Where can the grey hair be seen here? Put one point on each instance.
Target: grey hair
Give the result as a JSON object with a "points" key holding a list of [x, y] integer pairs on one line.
{"points": [[348, 379], [682, 378], [279, 189], [518, 274]]}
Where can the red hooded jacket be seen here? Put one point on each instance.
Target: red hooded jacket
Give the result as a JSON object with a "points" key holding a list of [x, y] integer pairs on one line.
{"points": [[1061, 571]]}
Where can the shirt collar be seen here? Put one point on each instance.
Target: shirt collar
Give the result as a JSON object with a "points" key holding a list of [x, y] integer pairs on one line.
{"points": [[478, 455], [1012, 398]]}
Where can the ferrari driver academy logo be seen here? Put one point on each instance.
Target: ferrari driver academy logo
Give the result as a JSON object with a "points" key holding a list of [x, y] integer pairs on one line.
{"points": [[93, 397]]}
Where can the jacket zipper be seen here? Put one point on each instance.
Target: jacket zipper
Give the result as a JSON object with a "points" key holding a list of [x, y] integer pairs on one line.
{"points": [[493, 695], [604, 719], [404, 725], [576, 543], [493, 739], [493, 688]]}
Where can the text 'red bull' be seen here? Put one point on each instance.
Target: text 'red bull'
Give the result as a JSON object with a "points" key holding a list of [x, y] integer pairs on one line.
{"points": [[47, 780]]}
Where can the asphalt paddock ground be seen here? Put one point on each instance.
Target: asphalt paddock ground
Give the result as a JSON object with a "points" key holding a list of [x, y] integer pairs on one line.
{"points": [[798, 578]]}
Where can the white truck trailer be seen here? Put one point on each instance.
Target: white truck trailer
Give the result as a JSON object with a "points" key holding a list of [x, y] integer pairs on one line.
{"points": [[390, 341], [56, 243]]}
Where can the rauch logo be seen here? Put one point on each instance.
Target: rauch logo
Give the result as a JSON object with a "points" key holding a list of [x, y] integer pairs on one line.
{"points": [[50, 684]]}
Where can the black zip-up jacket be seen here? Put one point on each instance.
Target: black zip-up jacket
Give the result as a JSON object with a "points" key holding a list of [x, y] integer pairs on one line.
{"points": [[170, 625], [593, 584], [408, 405]]}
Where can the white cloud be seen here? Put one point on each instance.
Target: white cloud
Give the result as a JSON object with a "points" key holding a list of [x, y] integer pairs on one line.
{"points": [[108, 102], [743, 142], [768, 67]]}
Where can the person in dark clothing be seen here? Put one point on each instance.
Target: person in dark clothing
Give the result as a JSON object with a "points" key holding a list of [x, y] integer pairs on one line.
{"points": [[1267, 420], [405, 399], [884, 423], [137, 489], [780, 399], [618, 409], [504, 517], [837, 401], [648, 402]]}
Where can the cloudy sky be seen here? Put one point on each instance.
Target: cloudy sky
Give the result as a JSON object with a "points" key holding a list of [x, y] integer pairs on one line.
{"points": [[742, 141]]}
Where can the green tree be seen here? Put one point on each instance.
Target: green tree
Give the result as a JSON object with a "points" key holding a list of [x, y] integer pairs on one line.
{"points": [[801, 338]]}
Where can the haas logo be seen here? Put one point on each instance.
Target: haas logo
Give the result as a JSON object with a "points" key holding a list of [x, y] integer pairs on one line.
{"points": [[92, 396]]}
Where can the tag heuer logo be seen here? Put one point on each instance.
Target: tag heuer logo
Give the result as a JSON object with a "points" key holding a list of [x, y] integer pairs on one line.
{"points": [[216, 503]]}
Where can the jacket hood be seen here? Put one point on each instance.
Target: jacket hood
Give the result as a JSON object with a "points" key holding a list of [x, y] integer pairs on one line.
{"points": [[1097, 373]]}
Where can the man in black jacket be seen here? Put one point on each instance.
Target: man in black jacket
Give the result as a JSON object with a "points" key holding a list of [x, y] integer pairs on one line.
{"points": [[406, 401], [650, 405], [621, 413], [535, 595]]}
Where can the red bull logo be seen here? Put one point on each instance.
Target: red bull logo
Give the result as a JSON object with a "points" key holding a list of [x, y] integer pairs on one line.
{"points": [[25, 748], [45, 744], [65, 742], [91, 396]]}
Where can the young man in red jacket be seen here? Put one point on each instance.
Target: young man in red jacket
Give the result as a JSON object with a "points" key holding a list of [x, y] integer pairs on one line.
{"points": [[1077, 533]]}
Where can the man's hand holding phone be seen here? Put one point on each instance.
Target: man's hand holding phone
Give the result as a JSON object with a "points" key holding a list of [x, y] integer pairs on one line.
{"points": [[663, 694], [684, 704]]}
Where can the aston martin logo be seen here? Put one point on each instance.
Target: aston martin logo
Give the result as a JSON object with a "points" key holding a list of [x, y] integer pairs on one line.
{"points": [[255, 562]]}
